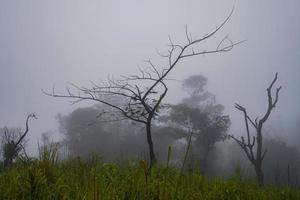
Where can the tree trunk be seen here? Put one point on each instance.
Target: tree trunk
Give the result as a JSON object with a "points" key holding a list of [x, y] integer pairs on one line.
{"points": [[259, 174], [186, 152], [205, 160], [259, 157], [150, 144], [7, 162]]}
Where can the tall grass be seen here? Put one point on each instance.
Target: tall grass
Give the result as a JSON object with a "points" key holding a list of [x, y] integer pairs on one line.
{"points": [[48, 178]]}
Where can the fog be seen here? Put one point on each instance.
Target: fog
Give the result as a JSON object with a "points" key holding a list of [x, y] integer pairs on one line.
{"points": [[46, 43]]}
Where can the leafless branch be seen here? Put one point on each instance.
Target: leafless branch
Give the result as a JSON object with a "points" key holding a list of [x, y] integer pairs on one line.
{"points": [[257, 141], [143, 94]]}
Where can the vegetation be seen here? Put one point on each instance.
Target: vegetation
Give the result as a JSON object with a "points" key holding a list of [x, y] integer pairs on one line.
{"points": [[47, 178], [13, 144], [185, 151], [143, 93], [200, 116], [78, 175], [257, 141]]}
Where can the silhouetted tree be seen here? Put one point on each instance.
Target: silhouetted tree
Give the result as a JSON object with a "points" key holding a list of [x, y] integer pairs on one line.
{"points": [[280, 156], [201, 116], [143, 94], [252, 146], [13, 144]]}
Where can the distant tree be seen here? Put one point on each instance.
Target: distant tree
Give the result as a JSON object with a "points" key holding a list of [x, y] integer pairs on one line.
{"points": [[281, 157], [85, 134], [298, 131], [252, 146], [195, 87], [83, 137], [201, 116], [282, 165], [166, 137], [13, 142], [143, 94], [46, 138]]}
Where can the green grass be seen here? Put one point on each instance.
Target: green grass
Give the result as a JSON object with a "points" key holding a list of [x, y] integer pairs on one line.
{"points": [[48, 178]]}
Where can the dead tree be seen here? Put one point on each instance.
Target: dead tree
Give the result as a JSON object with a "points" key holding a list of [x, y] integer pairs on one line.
{"points": [[253, 146], [143, 94], [13, 144]]}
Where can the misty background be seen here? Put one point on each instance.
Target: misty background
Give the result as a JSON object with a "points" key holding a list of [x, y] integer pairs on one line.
{"points": [[43, 44]]}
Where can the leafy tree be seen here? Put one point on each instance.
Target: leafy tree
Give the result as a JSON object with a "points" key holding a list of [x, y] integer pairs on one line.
{"points": [[85, 134], [201, 116]]}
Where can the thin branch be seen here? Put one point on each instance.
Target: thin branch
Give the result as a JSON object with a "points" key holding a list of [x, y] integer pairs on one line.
{"points": [[271, 104], [32, 115]]}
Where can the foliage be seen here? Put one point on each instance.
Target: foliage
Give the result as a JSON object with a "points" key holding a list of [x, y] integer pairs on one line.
{"points": [[85, 134], [78, 179], [209, 128], [201, 116]]}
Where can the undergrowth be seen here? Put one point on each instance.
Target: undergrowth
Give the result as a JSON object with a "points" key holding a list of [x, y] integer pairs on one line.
{"points": [[48, 178]]}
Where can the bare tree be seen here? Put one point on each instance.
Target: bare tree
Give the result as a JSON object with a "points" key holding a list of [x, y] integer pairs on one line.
{"points": [[14, 144], [142, 94], [252, 146]]}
